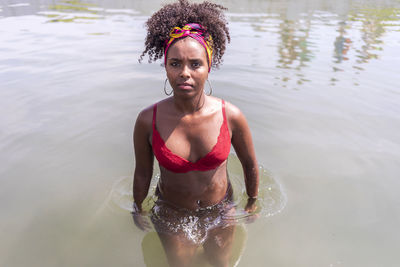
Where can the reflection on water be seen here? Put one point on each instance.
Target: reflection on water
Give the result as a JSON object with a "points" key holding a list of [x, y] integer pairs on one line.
{"points": [[67, 6], [357, 41], [294, 47], [374, 25], [368, 44], [359, 28], [342, 44]]}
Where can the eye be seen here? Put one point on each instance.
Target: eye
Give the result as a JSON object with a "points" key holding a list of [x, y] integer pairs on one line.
{"points": [[196, 64], [174, 64]]}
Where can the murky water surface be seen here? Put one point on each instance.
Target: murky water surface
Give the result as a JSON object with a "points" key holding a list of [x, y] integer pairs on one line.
{"points": [[317, 80]]}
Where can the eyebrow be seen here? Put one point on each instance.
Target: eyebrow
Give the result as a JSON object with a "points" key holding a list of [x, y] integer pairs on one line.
{"points": [[178, 59]]}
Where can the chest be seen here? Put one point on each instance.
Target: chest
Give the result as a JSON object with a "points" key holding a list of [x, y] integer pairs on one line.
{"points": [[191, 137]]}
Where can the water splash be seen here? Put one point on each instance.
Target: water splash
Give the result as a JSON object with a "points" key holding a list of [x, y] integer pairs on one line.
{"points": [[271, 200]]}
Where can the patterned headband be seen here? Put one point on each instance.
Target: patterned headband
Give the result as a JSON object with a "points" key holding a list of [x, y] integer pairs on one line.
{"points": [[197, 32]]}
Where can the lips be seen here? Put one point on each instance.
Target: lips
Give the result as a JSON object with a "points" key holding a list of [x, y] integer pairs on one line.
{"points": [[185, 86]]}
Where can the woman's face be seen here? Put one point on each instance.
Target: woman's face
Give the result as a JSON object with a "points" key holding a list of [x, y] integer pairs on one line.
{"points": [[187, 66]]}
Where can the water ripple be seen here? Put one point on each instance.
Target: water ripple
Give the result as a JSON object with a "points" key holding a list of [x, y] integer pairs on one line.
{"points": [[271, 200]]}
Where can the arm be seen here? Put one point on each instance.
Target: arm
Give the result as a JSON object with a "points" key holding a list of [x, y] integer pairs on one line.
{"points": [[243, 144], [144, 158]]}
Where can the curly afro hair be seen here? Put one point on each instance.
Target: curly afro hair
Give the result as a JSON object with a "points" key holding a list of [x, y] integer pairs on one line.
{"points": [[178, 14]]}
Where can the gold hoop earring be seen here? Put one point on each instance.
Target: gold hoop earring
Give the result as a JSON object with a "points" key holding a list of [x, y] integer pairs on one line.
{"points": [[209, 84], [165, 88]]}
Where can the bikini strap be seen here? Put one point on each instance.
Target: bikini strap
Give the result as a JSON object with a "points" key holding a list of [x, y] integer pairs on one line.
{"points": [[154, 115], [223, 110]]}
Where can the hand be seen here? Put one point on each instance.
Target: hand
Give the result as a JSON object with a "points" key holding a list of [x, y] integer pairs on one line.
{"points": [[251, 205], [140, 218], [250, 208]]}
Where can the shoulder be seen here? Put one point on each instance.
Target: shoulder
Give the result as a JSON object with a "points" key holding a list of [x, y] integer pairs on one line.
{"points": [[146, 115], [145, 118], [234, 115], [231, 110]]}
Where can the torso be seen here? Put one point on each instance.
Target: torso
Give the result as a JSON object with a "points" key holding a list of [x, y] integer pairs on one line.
{"points": [[192, 137]]}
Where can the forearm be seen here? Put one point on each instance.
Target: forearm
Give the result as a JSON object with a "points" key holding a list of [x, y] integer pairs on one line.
{"points": [[251, 178], [141, 184]]}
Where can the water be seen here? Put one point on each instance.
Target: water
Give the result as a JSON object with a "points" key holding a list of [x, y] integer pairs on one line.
{"points": [[271, 198], [317, 81]]}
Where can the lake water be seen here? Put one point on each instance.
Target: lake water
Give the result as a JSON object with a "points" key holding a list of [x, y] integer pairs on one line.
{"points": [[317, 81]]}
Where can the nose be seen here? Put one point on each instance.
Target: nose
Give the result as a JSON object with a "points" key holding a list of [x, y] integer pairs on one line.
{"points": [[185, 73]]}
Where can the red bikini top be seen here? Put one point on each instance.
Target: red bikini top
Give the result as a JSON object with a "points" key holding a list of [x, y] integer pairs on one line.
{"points": [[175, 163]]}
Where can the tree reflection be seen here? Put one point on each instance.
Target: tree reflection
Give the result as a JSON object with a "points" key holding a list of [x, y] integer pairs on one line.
{"points": [[66, 8], [353, 35], [294, 47], [372, 25], [372, 30], [295, 50]]}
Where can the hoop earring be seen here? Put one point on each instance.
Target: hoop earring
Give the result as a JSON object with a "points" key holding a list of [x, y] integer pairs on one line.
{"points": [[165, 88], [209, 84]]}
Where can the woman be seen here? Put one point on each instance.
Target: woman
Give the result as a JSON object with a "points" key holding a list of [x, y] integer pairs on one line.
{"points": [[190, 134]]}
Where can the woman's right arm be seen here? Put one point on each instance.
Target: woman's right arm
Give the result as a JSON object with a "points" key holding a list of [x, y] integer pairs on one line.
{"points": [[144, 158]]}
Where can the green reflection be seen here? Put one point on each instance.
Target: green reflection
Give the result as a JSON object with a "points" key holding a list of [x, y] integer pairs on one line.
{"points": [[373, 27], [296, 51], [66, 7], [294, 47], [355, 38], [372, 23]]}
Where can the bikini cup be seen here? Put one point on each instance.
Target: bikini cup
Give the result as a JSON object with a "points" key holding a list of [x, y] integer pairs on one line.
{"points": [[172, 162]]}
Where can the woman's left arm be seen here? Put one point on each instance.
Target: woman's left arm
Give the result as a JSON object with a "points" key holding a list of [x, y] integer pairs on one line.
{"points": [[243, 144]]}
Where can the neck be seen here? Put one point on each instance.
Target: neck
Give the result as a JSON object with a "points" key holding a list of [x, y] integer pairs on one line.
{"points": [[190, 105]]}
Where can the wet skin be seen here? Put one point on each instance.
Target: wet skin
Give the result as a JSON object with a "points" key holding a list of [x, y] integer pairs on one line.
{"points": [[189, 122], [190, 127]]}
